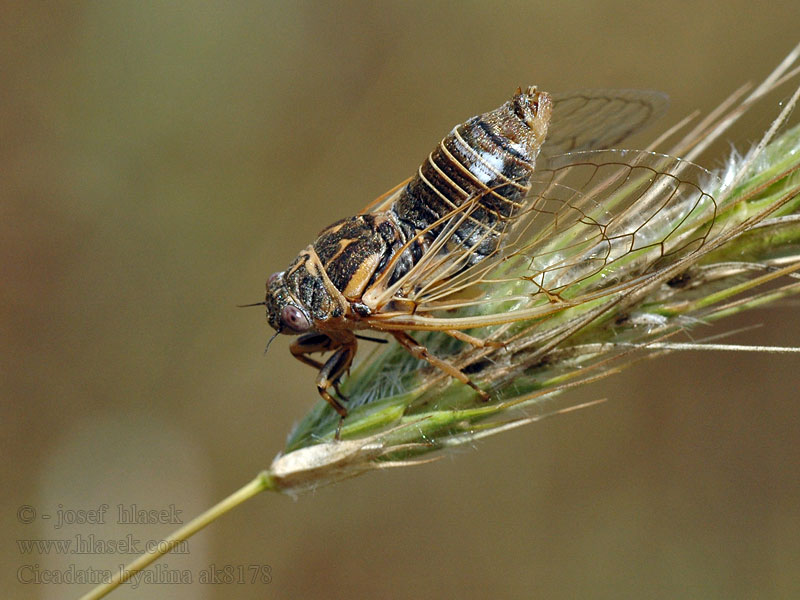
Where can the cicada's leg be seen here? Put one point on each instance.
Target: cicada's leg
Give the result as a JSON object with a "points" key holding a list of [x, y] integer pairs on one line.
{"points": [[308, 343], [419, 351], [472, 340], [331, 371]]}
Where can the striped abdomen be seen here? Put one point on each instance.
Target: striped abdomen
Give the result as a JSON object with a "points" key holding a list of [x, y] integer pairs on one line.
{"points": [[489, 158]]}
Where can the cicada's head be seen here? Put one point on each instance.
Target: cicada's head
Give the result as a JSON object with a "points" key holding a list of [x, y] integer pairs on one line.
{"points": [[284, 313]]}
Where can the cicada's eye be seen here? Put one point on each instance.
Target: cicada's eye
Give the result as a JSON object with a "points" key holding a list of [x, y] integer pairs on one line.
{"points": [[294, 319], [273, 278]]}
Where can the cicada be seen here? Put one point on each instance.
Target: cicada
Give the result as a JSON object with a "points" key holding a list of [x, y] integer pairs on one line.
{"points": [[531, 184]]}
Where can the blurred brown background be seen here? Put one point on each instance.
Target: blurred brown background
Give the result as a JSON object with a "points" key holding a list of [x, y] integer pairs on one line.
{"points": [[160, 160]]}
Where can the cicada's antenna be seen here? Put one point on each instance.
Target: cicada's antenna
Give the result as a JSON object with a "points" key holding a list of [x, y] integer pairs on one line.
{"points": [[260, 304], [270, 341]]}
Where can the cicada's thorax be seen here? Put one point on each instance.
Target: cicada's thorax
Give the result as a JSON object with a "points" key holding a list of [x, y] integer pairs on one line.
{"points": [[491, 157], [329, 277]]}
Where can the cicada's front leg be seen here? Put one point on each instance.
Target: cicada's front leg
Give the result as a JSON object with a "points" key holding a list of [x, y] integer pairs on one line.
{"points": [[308, 343], [334, 367], [419, 351]]}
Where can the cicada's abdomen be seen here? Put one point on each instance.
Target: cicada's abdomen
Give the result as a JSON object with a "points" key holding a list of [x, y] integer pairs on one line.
{"points": [[490, 158]]}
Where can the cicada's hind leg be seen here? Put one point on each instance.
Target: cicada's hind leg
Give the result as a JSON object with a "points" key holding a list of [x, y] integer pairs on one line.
{"points": [[331, 371], [419, 351], [472, 340]]}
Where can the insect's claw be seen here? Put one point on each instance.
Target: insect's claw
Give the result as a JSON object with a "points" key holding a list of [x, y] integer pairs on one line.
{"points": [[553, 297], [472, 340], [339, 392]]}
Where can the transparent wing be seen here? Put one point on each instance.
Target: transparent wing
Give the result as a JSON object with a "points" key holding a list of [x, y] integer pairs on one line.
{"points": [[582, 120], [594, 223], [385, 200], [599, 119]]}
